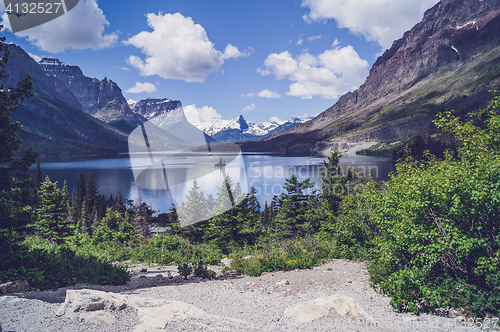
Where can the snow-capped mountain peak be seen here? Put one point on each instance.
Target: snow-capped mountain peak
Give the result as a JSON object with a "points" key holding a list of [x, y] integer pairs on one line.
{"points": [[244, 130]]}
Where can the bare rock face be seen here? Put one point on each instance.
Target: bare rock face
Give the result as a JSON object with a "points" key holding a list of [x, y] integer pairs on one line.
{"points": [[14, 287], [103, 99], [53, 121], [155, 314], [152, 107], [305, 312], [21, 64]]}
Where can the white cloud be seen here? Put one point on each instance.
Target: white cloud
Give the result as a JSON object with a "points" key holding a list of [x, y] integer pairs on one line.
{"points": [[121, 68], [300, 41], [177, 48], [232, 52], [275, 119], [142, 87], [81, 28], [313, 38], [264, 94], [381, 21], [201, 115], [248, 108], [329, 75], [35, 57], [268, 94]]}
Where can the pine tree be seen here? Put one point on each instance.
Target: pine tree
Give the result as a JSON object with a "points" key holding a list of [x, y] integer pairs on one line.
{"points": [[80, 195], [38, 175], [265, 216], [225, 228], [102, 206], [250, 217], [110, 202], [120, 204], [83, 221], [140, 220], [195, 208], [15, 184], [95, 219], [73, 208], [294, 209], [51, 213], [91, 194], [114, 226], [65, 193]]}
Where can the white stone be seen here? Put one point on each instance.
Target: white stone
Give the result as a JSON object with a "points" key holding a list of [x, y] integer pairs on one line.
{"points": [[155, 314], [308, 311]]}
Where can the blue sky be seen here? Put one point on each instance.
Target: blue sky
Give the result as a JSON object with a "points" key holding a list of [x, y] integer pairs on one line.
{"points": [[262, 59]]}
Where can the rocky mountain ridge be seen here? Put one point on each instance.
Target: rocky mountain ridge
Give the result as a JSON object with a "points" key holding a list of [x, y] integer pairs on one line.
{"points": [[51, 117], [450, 60], [239, 129], [103, 99], [151, 107]]}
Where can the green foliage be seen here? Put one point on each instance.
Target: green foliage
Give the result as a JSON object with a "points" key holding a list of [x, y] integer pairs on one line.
{"points": [[195, 209], [198, 269], [50, 266], [282, 255], [38, 175], [296, 215], [345, 209], [141, 215], [16, 195], [440, 241], [351, 230], [114, 227], [51, 213]]}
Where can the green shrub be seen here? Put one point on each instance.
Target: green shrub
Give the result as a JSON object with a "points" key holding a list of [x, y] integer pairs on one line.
{"points": [[49, 266], [286, 255], [440, 242]]}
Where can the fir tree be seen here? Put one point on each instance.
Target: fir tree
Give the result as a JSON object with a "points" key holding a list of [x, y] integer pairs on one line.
{"points": [[142, 213], [91, 194], [65, 193], [38, 175], [80, 195], [250, 217], [83, 221], [225, 228], [73, 208], [195, 208], [294, 209], [51, 213], [120, 204]]}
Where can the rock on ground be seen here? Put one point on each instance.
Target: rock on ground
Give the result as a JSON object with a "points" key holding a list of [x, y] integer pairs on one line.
{"points": [[305, 312], [14, 287], [155, 314]]}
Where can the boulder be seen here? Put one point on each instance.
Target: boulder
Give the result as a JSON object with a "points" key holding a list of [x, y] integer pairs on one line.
{"points": [[155, 314], [342, 305], [14, 287]]}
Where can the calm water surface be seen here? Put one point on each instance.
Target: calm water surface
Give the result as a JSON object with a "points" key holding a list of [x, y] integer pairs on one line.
{"points": [[266, 172]]}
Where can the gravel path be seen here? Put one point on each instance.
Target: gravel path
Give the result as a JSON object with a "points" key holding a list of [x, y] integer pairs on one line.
{"points": [[260, 301]]}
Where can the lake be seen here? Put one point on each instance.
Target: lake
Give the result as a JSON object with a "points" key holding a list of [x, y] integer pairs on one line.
{"points": [[264, 171]]}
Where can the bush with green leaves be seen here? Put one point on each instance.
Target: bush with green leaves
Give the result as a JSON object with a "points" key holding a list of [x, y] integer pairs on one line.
{"points": [[47, 265], [439, 244], [284, 255]]}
